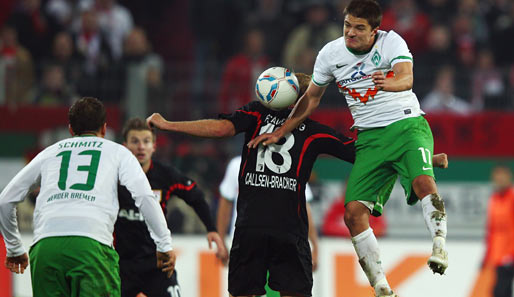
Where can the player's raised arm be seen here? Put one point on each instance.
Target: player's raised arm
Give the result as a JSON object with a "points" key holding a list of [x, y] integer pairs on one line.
{"points": [[402, 79], [303, 108], [212, 128]]}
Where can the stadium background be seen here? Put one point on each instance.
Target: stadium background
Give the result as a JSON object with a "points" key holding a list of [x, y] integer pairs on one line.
{"points": [[194, 59]]}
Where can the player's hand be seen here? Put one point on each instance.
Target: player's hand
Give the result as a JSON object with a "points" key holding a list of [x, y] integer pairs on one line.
{"points": [[379, 79], [221, 249], [266, 139], [155, 120], [440, 160], [166, 262], [314, 253], [17, 264]]}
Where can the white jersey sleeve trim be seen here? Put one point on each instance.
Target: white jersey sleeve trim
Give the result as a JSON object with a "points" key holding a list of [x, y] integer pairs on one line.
{"points": [[229, 187], [13, 194]]}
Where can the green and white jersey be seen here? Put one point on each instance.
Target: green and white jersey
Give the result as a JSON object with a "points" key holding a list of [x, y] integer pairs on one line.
{"points": [[79, 193], [352, 72]]}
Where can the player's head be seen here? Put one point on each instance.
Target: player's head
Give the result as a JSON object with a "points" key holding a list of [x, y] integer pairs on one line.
{"points": [[139, 139], [87, 116], [303, 80], [501, 176], [361, 21]]}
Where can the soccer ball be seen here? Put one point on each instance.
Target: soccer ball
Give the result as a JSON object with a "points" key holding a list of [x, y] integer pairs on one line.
{"points": [[277, 88]]}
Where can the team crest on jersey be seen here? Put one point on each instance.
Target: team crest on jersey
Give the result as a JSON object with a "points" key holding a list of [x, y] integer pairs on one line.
{"points": [[376, 58]]}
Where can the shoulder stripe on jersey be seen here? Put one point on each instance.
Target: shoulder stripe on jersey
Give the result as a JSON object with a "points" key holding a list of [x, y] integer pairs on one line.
{"points": [[259, 122], [309, 140], [319, 84], [176, 187], [402, 58]]}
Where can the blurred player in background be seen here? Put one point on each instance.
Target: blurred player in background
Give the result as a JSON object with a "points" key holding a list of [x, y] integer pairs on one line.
{"points": [[271, 208], [229, 190], [75, 210], [394, 138], [132, 240], [500, 231]]}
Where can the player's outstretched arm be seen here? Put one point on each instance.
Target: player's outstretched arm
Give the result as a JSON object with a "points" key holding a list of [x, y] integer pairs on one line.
{"points": [[303, 108], [221, 249], [402, 79], [440, 160], [313, 237], [166, 262], [211, 128], [17, 264]]}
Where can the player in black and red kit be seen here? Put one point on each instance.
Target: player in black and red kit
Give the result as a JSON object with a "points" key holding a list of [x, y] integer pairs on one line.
{"points": [[271, 224], [133, 243]]}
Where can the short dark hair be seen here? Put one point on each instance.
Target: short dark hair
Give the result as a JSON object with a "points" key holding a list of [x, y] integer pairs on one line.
{"points": [[137, 124], [365, 9], [86, 115]]}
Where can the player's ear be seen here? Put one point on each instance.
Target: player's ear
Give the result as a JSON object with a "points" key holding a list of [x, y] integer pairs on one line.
{"points": [[71, 130], [103, 130]]}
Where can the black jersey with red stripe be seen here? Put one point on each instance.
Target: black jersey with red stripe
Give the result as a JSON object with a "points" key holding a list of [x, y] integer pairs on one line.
{"points": [[272, 178], [132, 239]]}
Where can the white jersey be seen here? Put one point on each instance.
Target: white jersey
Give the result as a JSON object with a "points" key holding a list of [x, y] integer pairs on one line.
{"points": [[79, 193], [352, 72], [229, 187]]}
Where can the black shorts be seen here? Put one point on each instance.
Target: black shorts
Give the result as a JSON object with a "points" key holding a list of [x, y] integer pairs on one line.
{"points": [[254, 252], [142, 275]]}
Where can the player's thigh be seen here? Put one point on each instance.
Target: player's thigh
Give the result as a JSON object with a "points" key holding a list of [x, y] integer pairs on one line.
{"points": [[97, 270], [416, 160], [371, 179], [48, 270], [131, 274], [157, 284], [291, 265], [248, 262]]}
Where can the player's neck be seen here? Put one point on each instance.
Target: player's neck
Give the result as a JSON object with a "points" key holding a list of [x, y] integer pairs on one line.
{"points": [[363, 51], [146, 166]]}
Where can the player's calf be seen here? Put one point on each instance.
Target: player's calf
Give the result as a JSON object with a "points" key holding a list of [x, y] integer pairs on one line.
{"points": [[435, 219]]}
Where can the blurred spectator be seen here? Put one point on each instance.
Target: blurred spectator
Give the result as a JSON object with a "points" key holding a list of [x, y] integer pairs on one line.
{"points": [[439, 11], [442, 97], [16, 70], [54, 89], [334, 225], [500, 19], [488, 84], [62, 11], [114, 20], [269, 16], [64, 55], [404, 17], [94, 55], [317, 31], [500, 231], [440, 49], [144, 91], [241, 72], [35, 29]]}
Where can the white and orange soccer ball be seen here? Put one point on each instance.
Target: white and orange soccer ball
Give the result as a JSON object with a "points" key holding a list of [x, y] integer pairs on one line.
{"points": [[277, 88]]}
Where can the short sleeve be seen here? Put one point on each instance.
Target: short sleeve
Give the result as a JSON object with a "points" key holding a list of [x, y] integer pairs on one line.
{"points": [[243, 119], [308, 193], [229, 187], [322, 76], [396, 49]]}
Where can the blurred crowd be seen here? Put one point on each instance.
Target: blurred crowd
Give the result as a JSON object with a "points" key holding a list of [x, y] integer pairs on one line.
{"points": [[195, 58]]}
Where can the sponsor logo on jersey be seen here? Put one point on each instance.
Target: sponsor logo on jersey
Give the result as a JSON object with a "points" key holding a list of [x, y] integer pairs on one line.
{"points": [[358, 70], [131, 215]]}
